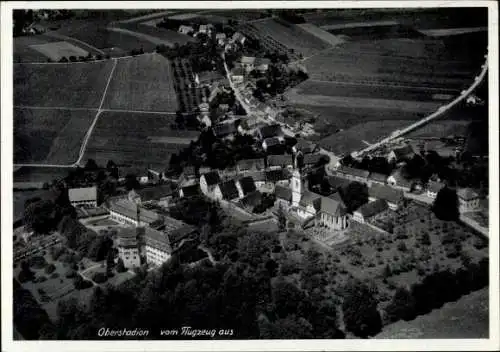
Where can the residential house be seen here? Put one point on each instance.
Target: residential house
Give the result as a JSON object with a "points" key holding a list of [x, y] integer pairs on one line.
{"points": [[269, 131], [226, 190], [127, 212], [188, 175], [157, 247], [206, 28], [370, 210], [283, 197], [433, 187], [250, 201], [237, 75], [376, 177], [186, 29], [221, 39], [189, 191], [262, 64], [279, 161], [250, 165], [468, 200], [247, 63], [83, 197], [336, 182], [238, 38], [225, 130], [313, 159], [397, 180], [208, 182], [259, 178], [304, 146], [161, 195], [401, 154], [245, 186], [392, 196], [128, 247], [271, 142], [352, 173], [277, 177], [204, 170]]}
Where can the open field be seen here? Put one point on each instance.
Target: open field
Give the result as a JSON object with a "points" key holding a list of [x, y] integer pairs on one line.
{"points": [[57, 50], [50, 136], [40, 174], [20, 197], [322, 34], [74, 85], [155, 35], [440, 129], [291, 36], [467, 318], [133, 139], [23, 50], [142, 83]]}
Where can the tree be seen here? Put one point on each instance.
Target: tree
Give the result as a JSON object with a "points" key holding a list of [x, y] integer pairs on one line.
{"points": [[354, 195], [40, 216], [131, 182], [91, 165], [281, 218], [402, 306], [120, 267], [445, 206], [361, 316], [110, 261]]}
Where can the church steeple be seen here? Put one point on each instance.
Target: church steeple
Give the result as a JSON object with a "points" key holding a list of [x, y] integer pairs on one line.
{"points": [[298, 185]]}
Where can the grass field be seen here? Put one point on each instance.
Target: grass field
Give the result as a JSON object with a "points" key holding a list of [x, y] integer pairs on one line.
{"points": [[133, 139], [20, 197], [57, 50], [142, 83], [23, 50], [157, 35], [322, 34], [78, 85], [467, 318], [292, 36], [40, 174], [49, 136]]}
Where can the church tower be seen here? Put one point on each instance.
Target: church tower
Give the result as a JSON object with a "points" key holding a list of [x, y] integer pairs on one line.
{"points": [[298, 186]]}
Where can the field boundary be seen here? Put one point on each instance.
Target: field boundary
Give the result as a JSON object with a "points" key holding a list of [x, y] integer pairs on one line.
{"points": [[61, 36], [374, 84]]}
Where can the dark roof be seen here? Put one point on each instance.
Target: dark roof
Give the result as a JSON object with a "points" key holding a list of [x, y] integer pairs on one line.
{"points": [[247, 164], [154, 193], [305, 146], [277, 175], [387, 193], [257, 176], [332, 206], [252, 199], [353, 171], [188, 170], [82, 194], [157, 239], [400, 179], [313, 159], [283, 193], [211, 178], [336, 181], [177, 230], [377, 177], [131, 210], [310, 198], [279, 160], [373, 208], [247, 184], [270, 131], [127, 237], [403, 152], [224, 129], [190, 191], [435, 187], [272, 141], [229, 190], [467, 194]]}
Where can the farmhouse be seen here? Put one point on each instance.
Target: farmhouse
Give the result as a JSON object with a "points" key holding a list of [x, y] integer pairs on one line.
{"points": [[128, 247], [353, 174], [369, 210], [277, 177], [283, 197], [186, 29], [189, 191], [160, 195], [433, 187], [397, 180], [238, 38], [221, 39], [313, 159], [245, 185], [208, 182], [468, 200], [269, 131], [129, 213], [226, 191], [271, 142], [279, 161], [83, 197], [225, 130], [392, 196], [262, 64], [376, 177], [238, 75], [250, 165], [304, 146], [247, 63], [157, 247], [401, 154]]}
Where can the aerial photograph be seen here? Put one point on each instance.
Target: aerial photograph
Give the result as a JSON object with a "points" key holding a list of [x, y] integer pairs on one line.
{"points": [[250, 174]]}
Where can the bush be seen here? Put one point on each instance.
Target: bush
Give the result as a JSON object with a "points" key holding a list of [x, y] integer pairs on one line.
{"points": [[50, 268], [80, 283]]}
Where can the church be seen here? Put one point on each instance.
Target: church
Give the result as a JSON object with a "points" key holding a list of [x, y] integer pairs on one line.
{"points": [[328, 211]]}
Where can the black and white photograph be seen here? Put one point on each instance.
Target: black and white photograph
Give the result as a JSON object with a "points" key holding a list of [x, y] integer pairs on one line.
{"points": [[249, 176]]}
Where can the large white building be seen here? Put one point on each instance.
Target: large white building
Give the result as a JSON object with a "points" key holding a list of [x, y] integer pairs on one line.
{"points": [[468, 200], [128, 248], [157, 246], [83, 197], [127, 212]]}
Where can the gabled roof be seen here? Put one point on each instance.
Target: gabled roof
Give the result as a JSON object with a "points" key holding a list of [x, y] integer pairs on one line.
{"points": [[223, 129], [247, 164], [387, 193], [284, 193], [310, 198], [305, 146], [277, 175], [268, 131], [229, 190], [332, 206], [403, 152], [400, 179], [188, 170], [434, 186], [336, 181], [82, 194], [211, 178], [154, 193], [375, 176], [252, 199], [353, 171], [467, 194], [247, 60], [271, 141], [262, 61], [313, 159], [279, 160], [247, 184], [130, 210], [190, 191], [127, 237], [372, 208], [238, 71], [157, 239], [258, 176]]}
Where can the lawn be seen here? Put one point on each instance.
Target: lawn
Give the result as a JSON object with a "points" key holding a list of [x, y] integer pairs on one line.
{"points": [[75, 85], [57, 50], [440, 129], [50, 136], [24, 52], [40, 174], [291, 36], [142, 83], [138, 139]]}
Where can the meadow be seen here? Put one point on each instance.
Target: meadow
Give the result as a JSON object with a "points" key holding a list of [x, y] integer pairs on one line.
{"points": [[146, 32], [52, 136], [142, 83], [137, 139], [73, 85]]}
